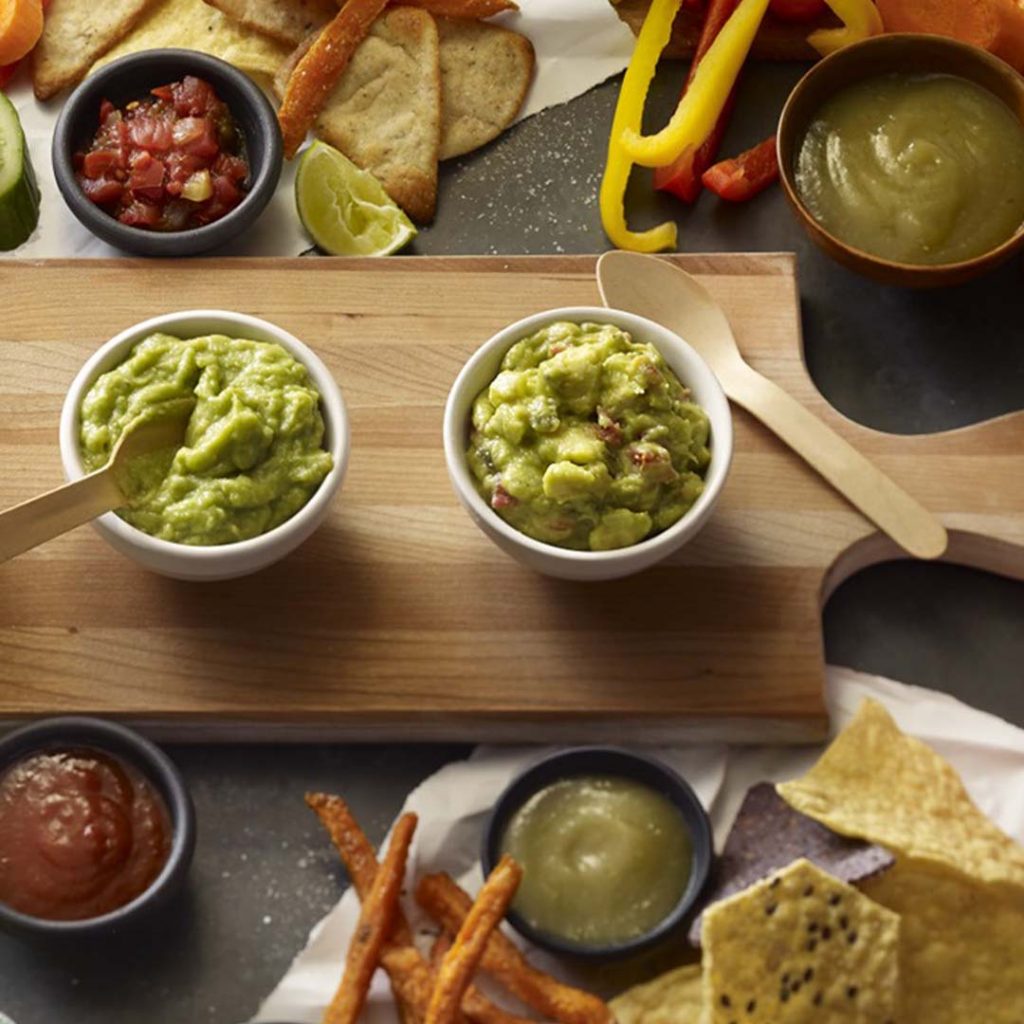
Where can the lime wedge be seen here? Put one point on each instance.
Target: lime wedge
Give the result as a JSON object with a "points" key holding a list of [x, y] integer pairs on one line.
{"points": [[345, 209]]}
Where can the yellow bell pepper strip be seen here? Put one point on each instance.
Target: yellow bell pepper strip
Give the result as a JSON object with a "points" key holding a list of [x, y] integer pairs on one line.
{"points": [[698, 110], [653, 37], [860, 19]]}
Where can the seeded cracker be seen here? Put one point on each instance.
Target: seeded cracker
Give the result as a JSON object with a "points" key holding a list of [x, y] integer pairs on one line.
{"points": [[961, 946], [876, 783], [800, 948], [672, 998]]}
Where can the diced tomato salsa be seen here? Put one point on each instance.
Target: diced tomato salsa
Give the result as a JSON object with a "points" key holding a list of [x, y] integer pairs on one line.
{"points": [[171, 161]]}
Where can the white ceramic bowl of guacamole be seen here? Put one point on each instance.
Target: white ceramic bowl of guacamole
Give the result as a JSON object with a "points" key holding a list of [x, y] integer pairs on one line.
{"points": [[195, 559], [550, 558]]}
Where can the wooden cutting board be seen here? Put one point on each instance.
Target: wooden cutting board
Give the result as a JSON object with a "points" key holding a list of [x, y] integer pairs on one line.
{"points": [[398, 619]]}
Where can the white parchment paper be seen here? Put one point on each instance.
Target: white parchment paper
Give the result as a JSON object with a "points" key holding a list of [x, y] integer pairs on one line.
{"points": [[453, 805], [579, 43]]}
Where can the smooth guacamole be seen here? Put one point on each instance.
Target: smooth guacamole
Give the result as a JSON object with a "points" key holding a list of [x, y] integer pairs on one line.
{"points": [[253, 452], [918, 168], [587, 440], [604, 858]]}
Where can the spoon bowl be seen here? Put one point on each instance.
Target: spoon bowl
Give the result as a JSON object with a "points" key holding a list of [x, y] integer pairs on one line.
{"points": [[41, 519], [162, 427]]}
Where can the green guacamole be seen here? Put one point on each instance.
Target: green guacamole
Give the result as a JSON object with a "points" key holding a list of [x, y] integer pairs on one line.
{"points": [[917, 168], [253, 452], [587, 440]]}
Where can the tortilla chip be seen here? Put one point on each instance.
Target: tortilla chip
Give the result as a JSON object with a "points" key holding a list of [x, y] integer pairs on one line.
{"points": [[485, 75], [768, 834], [800, 947], [876, 783], [385, 112], [75, 33], [193, 25], [672, 998], [961, 946], [285, 21]]}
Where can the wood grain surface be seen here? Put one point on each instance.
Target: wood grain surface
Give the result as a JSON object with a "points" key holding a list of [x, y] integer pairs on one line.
{"points": [[398, 619]]}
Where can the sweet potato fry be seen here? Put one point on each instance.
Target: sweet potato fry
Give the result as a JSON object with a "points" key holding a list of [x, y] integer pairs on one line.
{"points": [[460, 962], [440, 946], [356, 852], [475, 1005], [438, 949], [376, 919], [320, 68], [442, 898], [480, 1010], [462, 8], [291, 62], [411, 979]]}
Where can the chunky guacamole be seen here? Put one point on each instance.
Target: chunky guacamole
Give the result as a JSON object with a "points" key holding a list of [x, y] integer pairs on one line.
{"points": [[587, 440], [253, 452]]}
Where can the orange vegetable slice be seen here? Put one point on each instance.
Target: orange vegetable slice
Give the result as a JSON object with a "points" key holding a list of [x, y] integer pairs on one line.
{"points": [[460, 962], [21, 25]]}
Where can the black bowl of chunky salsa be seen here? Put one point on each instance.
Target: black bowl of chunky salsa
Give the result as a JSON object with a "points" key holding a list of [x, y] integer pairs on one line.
{"points": [[167, 152]]}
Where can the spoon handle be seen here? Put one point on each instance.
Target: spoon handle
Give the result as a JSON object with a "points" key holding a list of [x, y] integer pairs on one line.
{"points": [[62, 509], [867, 488]]}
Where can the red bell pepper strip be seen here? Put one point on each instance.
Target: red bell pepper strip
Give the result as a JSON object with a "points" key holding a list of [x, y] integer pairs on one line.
{"points": [[797, 10], [744, 176], [682, 176]]}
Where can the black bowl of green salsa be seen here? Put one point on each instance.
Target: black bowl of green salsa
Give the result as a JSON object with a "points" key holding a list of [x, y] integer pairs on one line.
{"points": [[615, 848], [167, 152]]}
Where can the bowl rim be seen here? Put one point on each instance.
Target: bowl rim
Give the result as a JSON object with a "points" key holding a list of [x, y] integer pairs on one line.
{"points": [[108, 737], [638, 767], [332, 406], [459, 402], [851, 54], [190, 240]]}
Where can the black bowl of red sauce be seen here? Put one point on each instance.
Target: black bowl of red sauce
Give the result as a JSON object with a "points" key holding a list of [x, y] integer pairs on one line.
{"points": [[97, 828], [167, 152]]}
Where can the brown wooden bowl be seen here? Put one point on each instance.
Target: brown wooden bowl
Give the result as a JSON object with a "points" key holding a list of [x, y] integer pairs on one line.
{"points": [[904, 52]]}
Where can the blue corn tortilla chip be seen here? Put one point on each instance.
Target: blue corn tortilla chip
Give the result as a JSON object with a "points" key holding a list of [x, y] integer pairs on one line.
{"points": [[768, 835]]}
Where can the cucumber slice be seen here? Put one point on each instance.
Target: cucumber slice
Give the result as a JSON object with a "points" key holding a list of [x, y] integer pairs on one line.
{"points": [[19, 193]]}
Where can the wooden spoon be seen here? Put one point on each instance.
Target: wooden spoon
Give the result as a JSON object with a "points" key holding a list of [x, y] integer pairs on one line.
{"points": [[51, 514], [654, 288]]}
